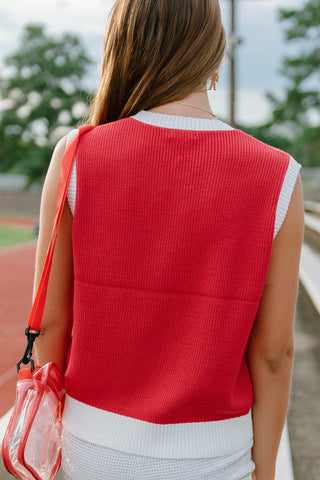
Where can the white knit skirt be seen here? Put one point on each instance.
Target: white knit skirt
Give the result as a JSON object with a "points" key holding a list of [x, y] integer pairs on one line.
{"points": [[82, 460]]}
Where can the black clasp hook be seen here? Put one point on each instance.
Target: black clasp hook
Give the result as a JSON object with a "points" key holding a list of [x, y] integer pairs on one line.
{"points": [[31, 336]]}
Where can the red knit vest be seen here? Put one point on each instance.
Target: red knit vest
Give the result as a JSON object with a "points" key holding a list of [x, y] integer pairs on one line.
{"points": [[172, 236]]}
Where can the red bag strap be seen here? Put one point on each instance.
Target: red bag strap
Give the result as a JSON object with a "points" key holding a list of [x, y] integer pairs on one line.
{"points": [[37, 310]]}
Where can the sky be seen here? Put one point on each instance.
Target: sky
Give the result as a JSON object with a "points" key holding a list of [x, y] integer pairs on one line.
{"points": [[259, 56]]}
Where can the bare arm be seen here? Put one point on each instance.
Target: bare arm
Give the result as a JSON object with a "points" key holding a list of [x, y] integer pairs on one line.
{"points": [[52, 344], [271, 346]]}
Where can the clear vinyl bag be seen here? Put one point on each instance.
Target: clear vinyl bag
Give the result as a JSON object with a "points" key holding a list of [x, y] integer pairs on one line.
{"points": [[31, 447]]}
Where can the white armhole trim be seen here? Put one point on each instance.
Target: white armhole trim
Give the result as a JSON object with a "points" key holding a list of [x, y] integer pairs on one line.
{"points": [[286, 192], [71, 195]]}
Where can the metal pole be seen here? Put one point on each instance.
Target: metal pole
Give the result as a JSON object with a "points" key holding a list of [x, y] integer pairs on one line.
{"points": [[232, 66]]}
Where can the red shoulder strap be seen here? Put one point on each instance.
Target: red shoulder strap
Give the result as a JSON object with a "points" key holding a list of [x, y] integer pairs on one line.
{"points": [[35, 317]]}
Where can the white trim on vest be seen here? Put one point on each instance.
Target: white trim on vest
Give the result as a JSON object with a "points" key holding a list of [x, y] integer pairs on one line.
{"points": [[177, 440]]}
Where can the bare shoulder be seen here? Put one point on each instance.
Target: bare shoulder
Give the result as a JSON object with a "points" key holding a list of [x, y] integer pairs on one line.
{"points": [[50, 187], [52, 177]]}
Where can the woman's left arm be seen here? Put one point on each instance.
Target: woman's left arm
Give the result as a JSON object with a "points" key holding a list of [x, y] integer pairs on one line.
{"points": [[52, 344]]}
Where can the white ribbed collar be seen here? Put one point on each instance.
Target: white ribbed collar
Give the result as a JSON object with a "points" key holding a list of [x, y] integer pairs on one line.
{"points": [[180, 123]]}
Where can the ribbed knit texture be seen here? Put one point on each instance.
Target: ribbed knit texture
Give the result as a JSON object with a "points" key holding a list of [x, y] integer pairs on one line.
{"points": [[172, 238], [286, 192], [172, 440]]}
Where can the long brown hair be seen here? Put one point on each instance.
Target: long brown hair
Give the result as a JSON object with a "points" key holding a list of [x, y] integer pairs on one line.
{"points": [[156, 52]]}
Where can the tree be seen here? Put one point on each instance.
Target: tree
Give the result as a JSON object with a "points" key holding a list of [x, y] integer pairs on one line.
{"points": [[302, 95], [41, 97]]}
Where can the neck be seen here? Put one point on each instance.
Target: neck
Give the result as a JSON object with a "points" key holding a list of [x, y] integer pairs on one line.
{"points": [[198, 98]]}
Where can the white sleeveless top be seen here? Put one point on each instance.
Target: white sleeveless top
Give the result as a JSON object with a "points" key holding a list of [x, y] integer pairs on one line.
{"points": [[82, 459]]}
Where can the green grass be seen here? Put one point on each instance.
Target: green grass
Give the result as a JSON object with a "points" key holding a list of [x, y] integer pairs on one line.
{"points": [[11, 235]]}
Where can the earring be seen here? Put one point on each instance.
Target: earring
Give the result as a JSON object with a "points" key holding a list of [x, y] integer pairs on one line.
{"points": [[214, 79]]}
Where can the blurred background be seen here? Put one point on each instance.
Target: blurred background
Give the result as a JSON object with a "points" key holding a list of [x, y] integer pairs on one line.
{"points": [[269, 87]]}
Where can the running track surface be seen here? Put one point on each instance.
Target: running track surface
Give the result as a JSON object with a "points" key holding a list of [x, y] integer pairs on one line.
{"points": [[17, 221], [16, 280]]}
